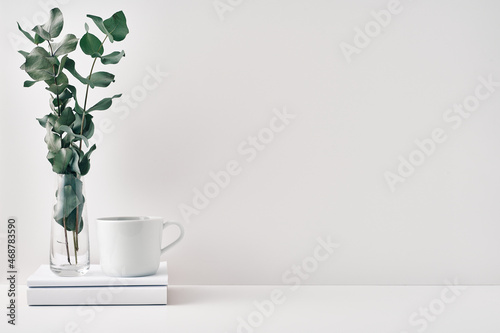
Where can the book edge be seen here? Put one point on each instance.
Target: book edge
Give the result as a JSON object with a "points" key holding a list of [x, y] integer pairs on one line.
{"points": [[155, 280], [159, 297]]}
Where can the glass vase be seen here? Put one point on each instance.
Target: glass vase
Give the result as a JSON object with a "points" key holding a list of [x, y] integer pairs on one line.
{"points": [[69, 241]]}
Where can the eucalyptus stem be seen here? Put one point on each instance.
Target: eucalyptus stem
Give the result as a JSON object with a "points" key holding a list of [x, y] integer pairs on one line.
{"points": [[75, 239], [75, 236], [66, 238], [77, 227], [85, 102], [75, 245]]}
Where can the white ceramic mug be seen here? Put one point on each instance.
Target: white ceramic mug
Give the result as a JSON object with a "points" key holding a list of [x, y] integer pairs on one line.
{"points": [[131, 245]]}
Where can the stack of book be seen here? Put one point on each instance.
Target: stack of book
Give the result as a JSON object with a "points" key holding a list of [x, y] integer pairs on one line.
{"points": [[95, 288]]}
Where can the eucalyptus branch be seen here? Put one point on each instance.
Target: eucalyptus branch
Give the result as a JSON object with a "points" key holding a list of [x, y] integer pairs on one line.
{"points": [[59, 114], [66, 239], [87, 91], [63, 123]]}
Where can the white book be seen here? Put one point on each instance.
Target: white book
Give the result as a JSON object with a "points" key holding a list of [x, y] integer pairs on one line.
{"points": [[43, 277], [96, 288], [110, 295]]}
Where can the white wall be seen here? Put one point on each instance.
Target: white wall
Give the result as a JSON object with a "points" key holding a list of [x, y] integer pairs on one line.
{"points": [[322, 176]]}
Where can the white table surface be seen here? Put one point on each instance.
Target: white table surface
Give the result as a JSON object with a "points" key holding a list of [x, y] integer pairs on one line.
{"points": [[311, 309]]}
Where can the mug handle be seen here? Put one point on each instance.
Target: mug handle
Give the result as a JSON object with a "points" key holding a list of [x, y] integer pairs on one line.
{"points": [[181, 228]]}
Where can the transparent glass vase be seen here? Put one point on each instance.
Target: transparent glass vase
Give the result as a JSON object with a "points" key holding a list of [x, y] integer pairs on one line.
{"points": [[69, 240]]}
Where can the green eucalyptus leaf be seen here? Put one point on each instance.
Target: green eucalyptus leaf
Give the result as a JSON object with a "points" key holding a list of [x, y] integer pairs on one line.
{"points": [[112, 58], [61, 160], [70, 66], [66, 119], [70, 201], [67, 201], [116, 25], [77, 149], [73, 165], [103, 104], [53, 61], [59, 102], [85, 161], [60, 86], [41, 32], [29, 83], [88, 125], [102, 79], [91, 45], [55, 23], [88, 131], [100, 24], [52, 140], [71, 136], [75, 183], [49, 118], [72, 89], [38, 39], [86, 27], [39, 64], [40, 51], [27, 34], [84, 166], [50, 156], [24, 53], [66, 45], [61, 64], [53, 106], [66, 95]]}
